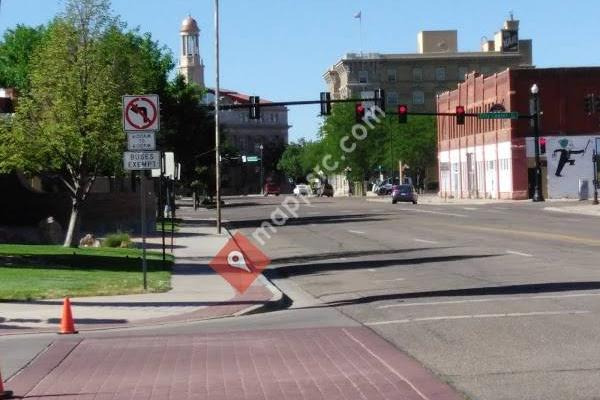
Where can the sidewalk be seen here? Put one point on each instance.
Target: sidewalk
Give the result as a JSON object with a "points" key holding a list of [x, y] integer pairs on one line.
{"points": [[431, 198], [197, 293], [585, 208]]}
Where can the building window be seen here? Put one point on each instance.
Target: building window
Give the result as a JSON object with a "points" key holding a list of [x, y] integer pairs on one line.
{"points": [[391, 75], [462, 73], [486, 70], [440, 74], [418, 97], [392, 99], [363, 76], [417, 74]]}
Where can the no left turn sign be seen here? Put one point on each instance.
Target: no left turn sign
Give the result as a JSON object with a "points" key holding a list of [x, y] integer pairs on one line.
{"points": [[141, 113]]}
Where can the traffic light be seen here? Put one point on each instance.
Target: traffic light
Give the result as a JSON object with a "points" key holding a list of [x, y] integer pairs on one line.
{"points": [[325, 103], [380, 98], [589, 104], [542, 145], [359, 111], [402, 113], [254, 107], [460, 115]]}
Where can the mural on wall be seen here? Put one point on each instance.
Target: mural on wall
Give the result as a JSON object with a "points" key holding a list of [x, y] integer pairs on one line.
{"points": [[569, 161]]}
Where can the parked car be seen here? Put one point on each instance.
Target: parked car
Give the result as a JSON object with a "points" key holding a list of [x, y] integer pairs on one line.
{"points": [[404, 193], [325, 190], [383, 188], [301, 189], [272, 188]]}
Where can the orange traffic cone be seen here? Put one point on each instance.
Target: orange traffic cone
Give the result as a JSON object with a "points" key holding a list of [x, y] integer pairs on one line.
{"points": [[4, 394], [67, 326]]}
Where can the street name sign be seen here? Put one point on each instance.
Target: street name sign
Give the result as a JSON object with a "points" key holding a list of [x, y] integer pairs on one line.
{"points": [[141, 141], [252, 159], [141, 113], [141, 160], [498, 115]]}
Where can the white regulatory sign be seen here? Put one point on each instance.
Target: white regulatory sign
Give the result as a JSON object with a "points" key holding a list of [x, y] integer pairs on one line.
{"points": [[141, 113], [141, 160], [141, 141]]}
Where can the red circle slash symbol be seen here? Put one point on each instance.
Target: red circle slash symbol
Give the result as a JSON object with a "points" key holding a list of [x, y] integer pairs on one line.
{"points": [[141, 109]]}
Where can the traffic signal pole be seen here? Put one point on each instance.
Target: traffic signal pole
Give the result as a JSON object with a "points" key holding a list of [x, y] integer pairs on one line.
{"points": [[217, 133]]}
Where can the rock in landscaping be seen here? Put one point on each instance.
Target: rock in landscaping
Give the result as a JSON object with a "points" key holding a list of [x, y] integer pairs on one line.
{"points": [[89, 241]]}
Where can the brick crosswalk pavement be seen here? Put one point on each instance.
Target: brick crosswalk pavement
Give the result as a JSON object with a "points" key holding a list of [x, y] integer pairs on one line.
{"points": [[303, 364]]}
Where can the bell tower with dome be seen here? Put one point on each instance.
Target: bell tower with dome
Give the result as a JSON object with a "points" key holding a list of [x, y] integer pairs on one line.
{"points": [[190, 63]]}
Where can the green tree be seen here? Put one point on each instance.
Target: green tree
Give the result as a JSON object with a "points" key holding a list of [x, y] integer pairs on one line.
{"points": [[188, 130], [16, 50], [361, 149], [69, 123], [291, 161]]}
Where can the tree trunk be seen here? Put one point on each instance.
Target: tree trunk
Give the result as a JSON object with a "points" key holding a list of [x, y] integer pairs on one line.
{"points": [[73, 222]]}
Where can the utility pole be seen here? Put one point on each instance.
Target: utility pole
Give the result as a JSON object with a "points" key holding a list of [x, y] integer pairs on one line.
{"points": [[217, 139]]}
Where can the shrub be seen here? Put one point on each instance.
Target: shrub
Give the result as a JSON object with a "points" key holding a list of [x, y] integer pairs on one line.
{"points": [[119, 239]]}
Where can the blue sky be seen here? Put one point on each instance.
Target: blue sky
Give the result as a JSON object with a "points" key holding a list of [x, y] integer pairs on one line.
{"points": [[279, 49]]}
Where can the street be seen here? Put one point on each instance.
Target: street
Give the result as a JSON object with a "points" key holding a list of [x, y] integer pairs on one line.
{"points": [[498, 300]]}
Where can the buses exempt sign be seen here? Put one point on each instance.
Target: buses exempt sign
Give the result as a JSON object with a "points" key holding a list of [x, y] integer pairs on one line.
{"points": [[141, 160]]}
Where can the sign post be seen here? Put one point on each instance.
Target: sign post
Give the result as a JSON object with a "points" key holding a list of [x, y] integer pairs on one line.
{"points": [[141, 120]]}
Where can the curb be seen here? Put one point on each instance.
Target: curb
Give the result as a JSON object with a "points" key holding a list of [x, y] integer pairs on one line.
{"points": [[279, 301]]}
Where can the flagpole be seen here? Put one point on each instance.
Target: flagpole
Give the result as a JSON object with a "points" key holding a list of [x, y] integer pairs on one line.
{"points": [[360, 30]]}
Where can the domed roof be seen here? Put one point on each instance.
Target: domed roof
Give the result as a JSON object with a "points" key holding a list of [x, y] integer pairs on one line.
{"points": [[189, 25]]}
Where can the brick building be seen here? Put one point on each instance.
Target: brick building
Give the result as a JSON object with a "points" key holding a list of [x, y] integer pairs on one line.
{"points": [[495, 158]]}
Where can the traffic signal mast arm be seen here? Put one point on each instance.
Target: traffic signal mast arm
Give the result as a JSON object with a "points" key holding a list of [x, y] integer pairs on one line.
{"points": [[331, 101]]}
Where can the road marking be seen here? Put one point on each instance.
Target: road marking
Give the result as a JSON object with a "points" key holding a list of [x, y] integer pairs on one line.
{"points": [[417, 210], [512, 298], [385, 364], [470, 208], [371, 270], [357, 232], [518, 253], [426, 241], [530, 234], [390, 280], [478, 316]]}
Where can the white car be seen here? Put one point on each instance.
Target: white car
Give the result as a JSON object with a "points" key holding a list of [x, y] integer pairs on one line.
{"points": [[301, 190]]}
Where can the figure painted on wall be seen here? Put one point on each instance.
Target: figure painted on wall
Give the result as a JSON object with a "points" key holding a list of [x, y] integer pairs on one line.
{"points": [[566, 151]]}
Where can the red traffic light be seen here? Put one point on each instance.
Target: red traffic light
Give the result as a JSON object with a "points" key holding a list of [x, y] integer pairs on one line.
{"points": [[402, 113], [359, 111], [460, 115], [542, 142]]}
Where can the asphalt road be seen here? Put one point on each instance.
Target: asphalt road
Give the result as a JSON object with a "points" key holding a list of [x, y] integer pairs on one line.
{"points": [[500, 300]]}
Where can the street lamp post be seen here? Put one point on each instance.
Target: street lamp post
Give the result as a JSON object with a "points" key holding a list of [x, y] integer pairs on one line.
{"points": [[535, 98], [262, 184], [595, 159], [217, 139]]}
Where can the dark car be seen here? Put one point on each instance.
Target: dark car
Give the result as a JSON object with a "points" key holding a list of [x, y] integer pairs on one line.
{"points": [[404, 193], [326, 190], [272, 188]]}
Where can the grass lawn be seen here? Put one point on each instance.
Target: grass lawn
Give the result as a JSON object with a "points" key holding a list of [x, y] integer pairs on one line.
{"points": [[30, 272]]}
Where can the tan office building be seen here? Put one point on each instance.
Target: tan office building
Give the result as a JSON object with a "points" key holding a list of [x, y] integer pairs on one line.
{"points": [[415, 79]]}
